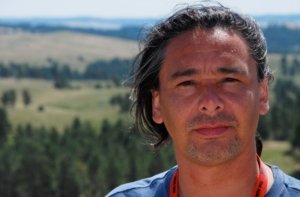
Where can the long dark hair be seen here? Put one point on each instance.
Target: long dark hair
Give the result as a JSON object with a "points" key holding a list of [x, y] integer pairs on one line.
{"points": [[149, 60]]}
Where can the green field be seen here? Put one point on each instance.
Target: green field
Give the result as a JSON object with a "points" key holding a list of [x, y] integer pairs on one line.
{"points": [[278, 153], [62, 106], [74, 49]]}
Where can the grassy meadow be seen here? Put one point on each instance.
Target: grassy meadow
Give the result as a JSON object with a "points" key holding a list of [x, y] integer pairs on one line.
{"points": [[74, 49], [61, 106], [278, 153]]}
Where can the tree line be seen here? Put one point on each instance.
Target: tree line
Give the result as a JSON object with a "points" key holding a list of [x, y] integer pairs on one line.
{"points": [[117, 69], [289, 68], [280, 38], [80, 161], [126, 32]]}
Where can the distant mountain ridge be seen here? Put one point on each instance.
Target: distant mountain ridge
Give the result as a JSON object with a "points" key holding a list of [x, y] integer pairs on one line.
{"points": [[117, 23], [82, 22], [278, 19]]}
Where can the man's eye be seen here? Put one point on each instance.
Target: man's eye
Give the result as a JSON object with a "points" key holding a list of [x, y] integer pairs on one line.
{"points": [[228, 79], [186, 83]]}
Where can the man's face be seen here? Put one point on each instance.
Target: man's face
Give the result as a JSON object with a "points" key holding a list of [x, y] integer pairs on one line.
{"points": [[209, 96]]}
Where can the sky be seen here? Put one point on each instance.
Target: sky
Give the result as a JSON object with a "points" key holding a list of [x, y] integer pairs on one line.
{"points": [[132, 8]]}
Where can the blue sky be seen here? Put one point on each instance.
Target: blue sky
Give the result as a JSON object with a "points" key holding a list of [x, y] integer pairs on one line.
{"points": [[132, 8]]}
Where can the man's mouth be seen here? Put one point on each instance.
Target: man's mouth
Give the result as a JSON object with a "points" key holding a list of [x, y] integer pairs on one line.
{"points": [[212, 131]]}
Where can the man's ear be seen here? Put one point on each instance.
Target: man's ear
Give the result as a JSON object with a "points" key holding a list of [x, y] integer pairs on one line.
{"points": [[156, 112], [264, 97]]}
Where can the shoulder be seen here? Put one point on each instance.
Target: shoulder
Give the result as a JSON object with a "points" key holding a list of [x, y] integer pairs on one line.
{"points": [[152, 186], [284, 184], [291, 183]]}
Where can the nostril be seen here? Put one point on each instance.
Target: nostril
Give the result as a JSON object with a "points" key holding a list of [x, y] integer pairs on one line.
{"points": [[210, 105], [209, 100], [217, 108]]}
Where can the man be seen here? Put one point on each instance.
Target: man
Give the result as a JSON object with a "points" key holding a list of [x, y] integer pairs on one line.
{"points": [[202, 82]]}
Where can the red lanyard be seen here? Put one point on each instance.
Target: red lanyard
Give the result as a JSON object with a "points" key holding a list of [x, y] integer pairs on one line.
{"points": [[258, 191], [174, 187], [261, 184]]}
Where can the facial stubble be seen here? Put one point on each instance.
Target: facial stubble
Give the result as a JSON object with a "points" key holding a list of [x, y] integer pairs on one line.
{"points": [[213, 151]]}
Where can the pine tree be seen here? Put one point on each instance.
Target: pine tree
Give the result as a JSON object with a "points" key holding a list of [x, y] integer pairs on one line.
{"points": [[295, 140], [9, 98], [26, 97], [284, 66], [4, 126]]}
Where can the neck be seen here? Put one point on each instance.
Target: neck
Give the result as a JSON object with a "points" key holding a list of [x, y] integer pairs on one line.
{"points": [[231, 178]]}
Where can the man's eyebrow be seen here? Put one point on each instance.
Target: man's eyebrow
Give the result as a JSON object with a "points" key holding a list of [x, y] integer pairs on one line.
{"points": [[230, 70], [183, 73], [192, 71]]}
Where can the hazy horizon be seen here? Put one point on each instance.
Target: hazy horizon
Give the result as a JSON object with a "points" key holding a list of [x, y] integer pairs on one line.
{"points": [[133, 9]]}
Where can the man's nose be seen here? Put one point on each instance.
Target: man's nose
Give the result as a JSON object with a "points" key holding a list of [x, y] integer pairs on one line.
{"points": [[210, 101]]}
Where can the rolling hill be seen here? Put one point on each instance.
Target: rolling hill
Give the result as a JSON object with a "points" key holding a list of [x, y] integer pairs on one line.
{"points": [[72, 48]]}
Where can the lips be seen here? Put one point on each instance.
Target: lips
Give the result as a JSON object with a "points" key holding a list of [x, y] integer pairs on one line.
{"points": [[212, 130]]}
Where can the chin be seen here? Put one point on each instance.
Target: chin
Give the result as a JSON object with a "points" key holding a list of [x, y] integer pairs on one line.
{"points": [[213, 152]]}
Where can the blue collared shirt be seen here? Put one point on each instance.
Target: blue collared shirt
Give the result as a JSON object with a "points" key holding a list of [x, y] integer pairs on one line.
{"points": [[159, 185]]}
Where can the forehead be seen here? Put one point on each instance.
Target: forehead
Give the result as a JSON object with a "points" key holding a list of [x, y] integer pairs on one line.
{"points": [[212, 40], [215, 46]]}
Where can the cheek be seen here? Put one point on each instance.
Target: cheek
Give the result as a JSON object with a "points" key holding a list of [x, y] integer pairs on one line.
{"points": [[246, 108], [167, 109], [171, 109], [243, 95], [179, 105], [245, 104], [175, 111]]}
